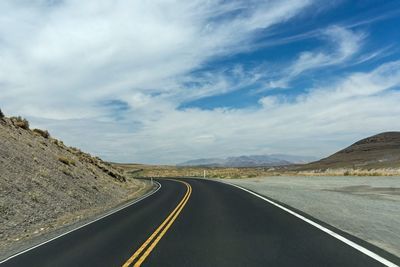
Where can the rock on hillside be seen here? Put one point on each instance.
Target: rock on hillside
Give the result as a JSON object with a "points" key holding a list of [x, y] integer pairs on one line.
{"points": [[378, 151], [45, 185]]}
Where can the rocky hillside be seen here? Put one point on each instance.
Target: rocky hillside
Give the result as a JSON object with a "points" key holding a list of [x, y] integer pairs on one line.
{"points": [[45, 185], [378, 151]]}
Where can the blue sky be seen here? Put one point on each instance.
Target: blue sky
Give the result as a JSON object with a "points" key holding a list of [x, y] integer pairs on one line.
{"points": [[169, 81], [378, 21]]}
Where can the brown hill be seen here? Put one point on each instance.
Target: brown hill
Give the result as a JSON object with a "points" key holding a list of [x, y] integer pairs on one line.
{"points": [[378, 151], [45, 185]]}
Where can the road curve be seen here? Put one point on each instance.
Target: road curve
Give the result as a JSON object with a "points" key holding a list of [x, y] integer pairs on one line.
{"points": [[196, 223]]}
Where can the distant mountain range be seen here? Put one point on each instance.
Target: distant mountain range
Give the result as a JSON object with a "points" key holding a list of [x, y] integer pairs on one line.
{"points": [[249, 161], [374, 152], [378, 151]]}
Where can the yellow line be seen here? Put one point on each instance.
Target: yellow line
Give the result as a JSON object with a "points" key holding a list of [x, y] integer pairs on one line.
{"points": [[146, 243], [174, 214], [154, 244]]}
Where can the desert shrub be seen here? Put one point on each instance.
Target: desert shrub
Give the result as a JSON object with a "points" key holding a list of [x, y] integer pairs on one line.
{"points": [[34, 197], [67, 172], [20, 122], [66, 161], [43, 133], [1, 114]]}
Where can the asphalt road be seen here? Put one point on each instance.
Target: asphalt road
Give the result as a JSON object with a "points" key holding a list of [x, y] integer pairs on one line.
{"points": [[202, 223]]}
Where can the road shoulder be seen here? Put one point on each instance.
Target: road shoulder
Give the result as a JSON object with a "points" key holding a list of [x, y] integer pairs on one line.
{"points": [[83, 220]]}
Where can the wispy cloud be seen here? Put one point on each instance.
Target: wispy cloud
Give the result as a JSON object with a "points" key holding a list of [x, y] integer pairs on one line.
{"points": [[59, 59], [323, 119], [344, 45], [381, 15], [111, 76]]}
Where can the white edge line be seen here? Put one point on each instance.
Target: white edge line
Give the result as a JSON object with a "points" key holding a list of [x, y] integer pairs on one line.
{"points": [[320, 227], [86, 224]]}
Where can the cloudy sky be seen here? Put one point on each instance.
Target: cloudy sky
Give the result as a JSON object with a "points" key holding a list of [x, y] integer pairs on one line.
{"points": [[170, 80]]}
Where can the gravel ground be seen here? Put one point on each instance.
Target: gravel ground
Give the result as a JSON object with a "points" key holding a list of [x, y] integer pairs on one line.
{"points": [[367, 207], [46, 186]]}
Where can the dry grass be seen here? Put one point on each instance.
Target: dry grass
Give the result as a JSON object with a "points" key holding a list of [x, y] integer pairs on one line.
{"points": [[172, 171], [139, 170], [43, 133], [59, 143], [20, 122], [67, 161], [352, 172]]}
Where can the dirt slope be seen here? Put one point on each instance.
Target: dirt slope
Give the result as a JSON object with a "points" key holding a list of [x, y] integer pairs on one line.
{"points": [[45, 185], [378, 151]]}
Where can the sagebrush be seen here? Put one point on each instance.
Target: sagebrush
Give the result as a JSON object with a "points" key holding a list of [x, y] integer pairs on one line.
{"points": [[43, 133], [67, 161], [20, 122]]}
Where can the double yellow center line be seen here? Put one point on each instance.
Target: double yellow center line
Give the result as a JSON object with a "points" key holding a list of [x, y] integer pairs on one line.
{"points": [[153, 240]]}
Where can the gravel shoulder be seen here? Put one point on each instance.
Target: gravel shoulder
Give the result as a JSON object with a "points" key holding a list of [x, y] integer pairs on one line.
{"points": [[366, 207]]}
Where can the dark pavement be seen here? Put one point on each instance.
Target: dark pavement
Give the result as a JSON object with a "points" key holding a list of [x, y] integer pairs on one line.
{"points": [[220, 225]]}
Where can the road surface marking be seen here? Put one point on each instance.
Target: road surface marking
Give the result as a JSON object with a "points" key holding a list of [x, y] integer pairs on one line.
{"points": [[154, 244], [324, 229], [147, 242], [86, 224], [153, 240]]}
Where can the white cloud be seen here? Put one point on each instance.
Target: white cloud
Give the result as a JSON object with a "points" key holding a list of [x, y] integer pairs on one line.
{"points": [[269, 102], [316, 123], [60, 58], [61, 61], [346, 44]]}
